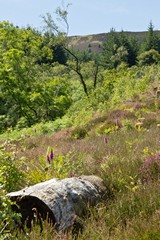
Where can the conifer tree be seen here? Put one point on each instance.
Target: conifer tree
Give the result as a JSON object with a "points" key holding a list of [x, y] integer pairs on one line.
{"points": [[152, 40], [119, 48]]}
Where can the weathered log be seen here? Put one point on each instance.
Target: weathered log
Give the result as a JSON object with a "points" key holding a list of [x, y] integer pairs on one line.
{"points": [[61, 202]]}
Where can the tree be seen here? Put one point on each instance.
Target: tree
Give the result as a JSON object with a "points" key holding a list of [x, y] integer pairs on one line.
{"points": [[119, 48], [152, 40], [58, 53], [29, 91], [121, 55], [149, 57], [51, 28], [110, 47], [131, 46]]}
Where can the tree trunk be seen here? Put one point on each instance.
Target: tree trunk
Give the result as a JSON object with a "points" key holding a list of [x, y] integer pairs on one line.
{"points": [[62, 202]]}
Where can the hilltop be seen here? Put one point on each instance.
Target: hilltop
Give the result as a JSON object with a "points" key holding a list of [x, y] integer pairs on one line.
{"points": [[89, 42], [94, 42]]}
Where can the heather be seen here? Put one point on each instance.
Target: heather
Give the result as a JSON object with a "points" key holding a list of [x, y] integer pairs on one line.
{"points": [[126, 157]]}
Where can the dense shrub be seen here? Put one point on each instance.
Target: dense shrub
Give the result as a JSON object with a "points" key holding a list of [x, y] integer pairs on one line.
{"points": [[79, 132], [10, 175], [150, 169], [149, 57]]}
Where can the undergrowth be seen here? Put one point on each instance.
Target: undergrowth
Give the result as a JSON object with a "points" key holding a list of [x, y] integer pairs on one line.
{"points": [[120, 144]]}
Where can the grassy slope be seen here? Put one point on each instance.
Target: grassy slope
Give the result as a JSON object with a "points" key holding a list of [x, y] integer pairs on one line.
{"points": [[132, 208]]}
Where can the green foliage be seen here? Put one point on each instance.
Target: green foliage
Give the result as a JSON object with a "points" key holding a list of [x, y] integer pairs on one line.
{"points": [[79, 132], [62, 166], [152, 39], [151, 235], [36, 88], [53, 166], [118, 48], [31, 89], [110, 47], [149, 57], [8, 218], [10, 176]]}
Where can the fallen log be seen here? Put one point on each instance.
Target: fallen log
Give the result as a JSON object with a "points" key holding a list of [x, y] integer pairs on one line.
{"points": [[61, 202]]}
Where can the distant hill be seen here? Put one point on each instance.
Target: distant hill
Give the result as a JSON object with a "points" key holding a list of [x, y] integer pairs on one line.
{"points": [[94, 42], [91, 43]]}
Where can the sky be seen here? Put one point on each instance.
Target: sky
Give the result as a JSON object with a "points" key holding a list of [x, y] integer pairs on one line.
{"points": [[85, 16]]}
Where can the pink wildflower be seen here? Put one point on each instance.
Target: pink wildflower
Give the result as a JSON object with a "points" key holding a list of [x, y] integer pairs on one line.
{"points": [[51, 155]]}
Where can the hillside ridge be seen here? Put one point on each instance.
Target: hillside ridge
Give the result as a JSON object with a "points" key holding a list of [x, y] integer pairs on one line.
{"points": [[94, 42]]}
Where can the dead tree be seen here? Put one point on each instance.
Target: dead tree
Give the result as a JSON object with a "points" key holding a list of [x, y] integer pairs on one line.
{"points": [[61, 202]]}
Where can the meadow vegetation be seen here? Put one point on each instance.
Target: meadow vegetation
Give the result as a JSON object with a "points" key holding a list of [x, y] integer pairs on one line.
{"points": [[50, 128]]}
